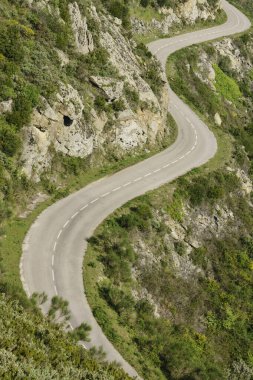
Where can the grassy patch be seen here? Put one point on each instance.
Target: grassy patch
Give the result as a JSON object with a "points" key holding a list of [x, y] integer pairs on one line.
{"points": [[226, 85], [145, 14]]}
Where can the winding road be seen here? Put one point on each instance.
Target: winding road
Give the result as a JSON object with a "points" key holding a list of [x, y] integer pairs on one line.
{"points": [[54, 247]]}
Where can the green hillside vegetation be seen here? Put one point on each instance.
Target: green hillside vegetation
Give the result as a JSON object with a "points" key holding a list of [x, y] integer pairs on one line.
{"points": [[173, 327], [226, 86], [31, 347]]}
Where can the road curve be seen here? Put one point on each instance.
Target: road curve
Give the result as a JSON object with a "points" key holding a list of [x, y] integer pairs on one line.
{"points": [[54, 247]]}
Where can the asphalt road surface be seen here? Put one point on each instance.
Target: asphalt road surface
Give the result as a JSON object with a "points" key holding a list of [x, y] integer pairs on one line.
{"points": [[55, 245]]}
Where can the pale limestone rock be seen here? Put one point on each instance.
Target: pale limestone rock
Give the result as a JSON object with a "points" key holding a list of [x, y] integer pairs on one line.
{"points": [[64, 59], [83, 37], [246, 183], [206, 71], [151, 122], [48, 127], [61, 125], [184, 267], [217, 119], [189, 10], [177, 231], [130, 135], [227, 48], [111, 88], [122, 57], [69, 102], [6, 106], [36, 157], [125, 115]]}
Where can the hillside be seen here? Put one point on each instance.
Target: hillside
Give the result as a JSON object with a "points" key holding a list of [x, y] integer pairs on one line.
{"points": [[173, 268], [79, 97]]}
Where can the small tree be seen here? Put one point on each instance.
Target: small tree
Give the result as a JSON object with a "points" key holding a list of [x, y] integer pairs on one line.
{"points": [[59, 310], [81, 332]]}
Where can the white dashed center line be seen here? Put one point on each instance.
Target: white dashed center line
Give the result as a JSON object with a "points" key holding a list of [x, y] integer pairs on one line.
{"points": [[105, 194], [65, 225], [59, 234], [94, 200], [74, 215], [137, 179], [116, 188]]}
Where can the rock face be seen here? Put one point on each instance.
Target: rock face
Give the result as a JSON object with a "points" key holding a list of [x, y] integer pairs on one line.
{"points": [[60, 126], [227, 48], [187, 12], [111, 88], [217, 119], [142, 126], [83, 37], [6, 106]]}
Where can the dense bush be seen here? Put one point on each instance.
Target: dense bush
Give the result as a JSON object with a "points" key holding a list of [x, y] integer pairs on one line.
{"points": [[9, 139], [44, 351]]}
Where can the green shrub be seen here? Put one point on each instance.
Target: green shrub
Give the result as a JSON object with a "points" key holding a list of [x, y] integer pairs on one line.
{"points": [[27, 97], [9, 139], [132, 96], [226, 86]]}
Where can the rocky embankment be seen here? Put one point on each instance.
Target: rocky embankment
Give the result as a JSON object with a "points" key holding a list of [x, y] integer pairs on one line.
{"points": [[109, 94], [129, 115]]}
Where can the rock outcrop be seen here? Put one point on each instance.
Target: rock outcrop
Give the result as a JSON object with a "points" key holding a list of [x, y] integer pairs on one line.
{"points": [[6, 106], [227, 48], [83, 37], [61, 126]]}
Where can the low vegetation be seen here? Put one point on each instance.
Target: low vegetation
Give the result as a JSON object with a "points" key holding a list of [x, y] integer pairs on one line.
{"points": [[44, 350], [176, 297]]}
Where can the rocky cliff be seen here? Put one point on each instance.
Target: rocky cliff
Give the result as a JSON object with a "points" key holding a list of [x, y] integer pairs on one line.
{"points": [[106, 93], [118, 109]]}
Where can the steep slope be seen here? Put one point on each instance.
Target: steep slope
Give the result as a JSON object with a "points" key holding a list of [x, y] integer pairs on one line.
{"points": [[64, 99], [31, 347], [174, 267], [67, 222]]}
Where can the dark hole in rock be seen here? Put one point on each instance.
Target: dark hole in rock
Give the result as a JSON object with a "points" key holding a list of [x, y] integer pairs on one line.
{"points": [[67, 121]]}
